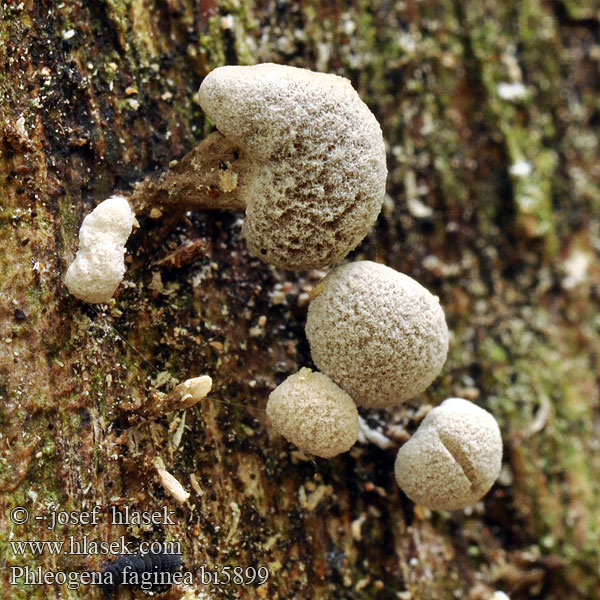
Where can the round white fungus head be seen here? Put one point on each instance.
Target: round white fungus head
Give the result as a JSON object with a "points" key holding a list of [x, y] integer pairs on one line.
{"points": [[99, 267], [317, 156], [453, 458], [379, 334], [313, 413]]}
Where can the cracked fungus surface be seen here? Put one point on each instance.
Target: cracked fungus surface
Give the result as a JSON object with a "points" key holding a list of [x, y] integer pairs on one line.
{"points": [[453, 458], [318, 160], [377, 333], [313, 413]]}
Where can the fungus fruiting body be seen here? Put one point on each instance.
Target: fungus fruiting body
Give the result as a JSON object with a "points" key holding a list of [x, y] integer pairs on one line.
{"points": [[316, 160], [172, 485], [313, 413], [453, 458], [299, 150], [184, 395], [99, 266], [188, 393], [380, 335]]}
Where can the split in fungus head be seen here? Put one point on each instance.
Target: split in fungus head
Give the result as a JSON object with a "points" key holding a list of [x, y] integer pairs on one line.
{"points": [[453, 458]]}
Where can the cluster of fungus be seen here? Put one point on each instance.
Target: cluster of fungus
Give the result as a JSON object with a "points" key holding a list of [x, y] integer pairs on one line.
{"points": [[381, 338], [305, 158], [378, 337], [298, 150]]}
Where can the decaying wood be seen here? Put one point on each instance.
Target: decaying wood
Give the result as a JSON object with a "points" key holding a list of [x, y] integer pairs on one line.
{"points": [[490, 111]]}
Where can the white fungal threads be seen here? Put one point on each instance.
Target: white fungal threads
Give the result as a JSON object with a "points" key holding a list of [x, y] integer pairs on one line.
{"points": [[380, 335], [366, 434], [313, 413], [453, 458], [99, 266], [316, 175]]}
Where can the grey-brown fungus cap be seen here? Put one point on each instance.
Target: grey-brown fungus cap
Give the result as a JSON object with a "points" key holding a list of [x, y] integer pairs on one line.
{"points": [[453, 458], [317, 160], [379, 334], [313, 413]]}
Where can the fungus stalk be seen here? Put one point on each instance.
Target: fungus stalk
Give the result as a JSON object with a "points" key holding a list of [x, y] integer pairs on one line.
{"points": [[207, 178]]}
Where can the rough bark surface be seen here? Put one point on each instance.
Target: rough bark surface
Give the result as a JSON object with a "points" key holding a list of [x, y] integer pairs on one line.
{"points": [[491, 111]]}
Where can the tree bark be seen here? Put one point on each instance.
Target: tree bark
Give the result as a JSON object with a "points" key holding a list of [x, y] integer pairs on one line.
{"points": [[490, 110]]}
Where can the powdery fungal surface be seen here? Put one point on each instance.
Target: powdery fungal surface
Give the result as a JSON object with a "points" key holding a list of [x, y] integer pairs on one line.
{"points": [[313, 413], [318, 159], [377, 333], [453, 458], [99, 266]]}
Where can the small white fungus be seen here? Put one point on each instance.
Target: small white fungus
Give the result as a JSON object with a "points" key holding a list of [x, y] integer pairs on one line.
{"points": [[190, 392], [313, 413], [453, 458], [172, 485], [521, 168], [99, 266], [512, 91], [575, 268]]}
